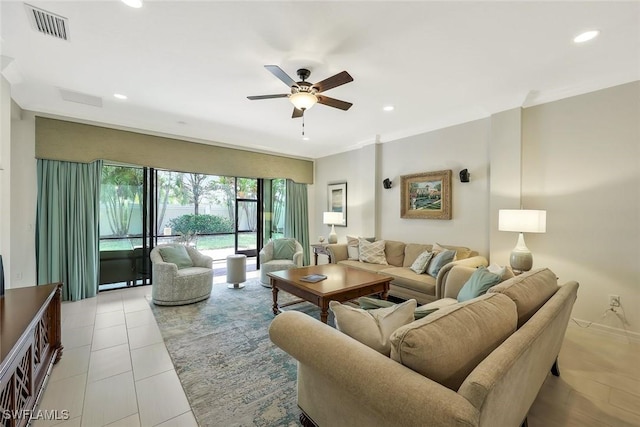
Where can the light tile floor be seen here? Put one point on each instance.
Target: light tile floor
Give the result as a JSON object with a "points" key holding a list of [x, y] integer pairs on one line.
{"points": [[116, 372]]}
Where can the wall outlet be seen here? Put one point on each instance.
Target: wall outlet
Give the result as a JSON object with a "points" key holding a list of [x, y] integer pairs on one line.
{"points": [[614, 300]]}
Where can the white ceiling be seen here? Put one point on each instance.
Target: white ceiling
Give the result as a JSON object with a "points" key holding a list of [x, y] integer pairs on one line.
{"points": [[187, 67]]}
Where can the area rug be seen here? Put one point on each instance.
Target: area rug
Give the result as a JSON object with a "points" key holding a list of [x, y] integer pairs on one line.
{"points": [[231, 373]]}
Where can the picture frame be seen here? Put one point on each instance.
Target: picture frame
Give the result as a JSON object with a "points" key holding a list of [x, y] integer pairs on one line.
{"points": [[337, 200], [426, 195]]}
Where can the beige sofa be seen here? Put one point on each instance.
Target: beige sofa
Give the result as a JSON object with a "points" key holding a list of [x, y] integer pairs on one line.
{"points": [[460, 366], [400, 256]]}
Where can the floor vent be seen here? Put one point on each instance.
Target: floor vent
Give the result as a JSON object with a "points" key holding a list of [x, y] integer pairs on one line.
{"points": [[48, 23]]}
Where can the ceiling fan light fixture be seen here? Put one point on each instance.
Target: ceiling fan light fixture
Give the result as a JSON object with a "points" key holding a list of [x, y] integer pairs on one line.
{"points": [[303, 100]]}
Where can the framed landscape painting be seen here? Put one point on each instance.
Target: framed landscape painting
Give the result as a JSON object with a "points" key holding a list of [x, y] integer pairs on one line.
{"points": [[337, 197], [426, 195]]}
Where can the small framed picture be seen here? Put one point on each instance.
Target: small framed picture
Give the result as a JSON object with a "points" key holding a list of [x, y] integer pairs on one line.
{"points": [[337, 200]]}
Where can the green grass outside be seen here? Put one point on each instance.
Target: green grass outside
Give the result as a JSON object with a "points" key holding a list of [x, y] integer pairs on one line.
{"points": [[245, 240]]}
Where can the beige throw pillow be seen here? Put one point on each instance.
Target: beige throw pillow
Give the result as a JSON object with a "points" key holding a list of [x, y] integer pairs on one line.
{"points": [[373, 327], [372, 253], [353, 253]]}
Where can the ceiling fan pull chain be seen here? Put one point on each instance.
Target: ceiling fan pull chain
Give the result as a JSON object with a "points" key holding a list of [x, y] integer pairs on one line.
{"points": [[303, 122]]}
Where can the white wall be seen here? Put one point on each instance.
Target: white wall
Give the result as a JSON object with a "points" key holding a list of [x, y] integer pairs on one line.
{"points": [[23, 199], [582, 164], [5, 177]]}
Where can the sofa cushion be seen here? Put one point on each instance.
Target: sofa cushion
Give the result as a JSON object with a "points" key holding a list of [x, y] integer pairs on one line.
{"points": [[478, 284], [395, 252], [364, 266], [448, 344], [284, 248], [177, 255], [412, 251], [373, 327], [439, 260], [408, 279], [529, 291], [372, 253], [419, 266]]}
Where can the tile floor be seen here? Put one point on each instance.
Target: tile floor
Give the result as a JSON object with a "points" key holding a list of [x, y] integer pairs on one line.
{"points": [[115, 371]]}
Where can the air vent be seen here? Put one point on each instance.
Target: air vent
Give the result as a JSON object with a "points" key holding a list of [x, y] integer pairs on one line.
{"points": [[48, 23], [80, 98]]}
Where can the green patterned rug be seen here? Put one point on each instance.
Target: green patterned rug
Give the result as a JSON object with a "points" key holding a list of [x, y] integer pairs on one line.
{"points": [[232, 374]]}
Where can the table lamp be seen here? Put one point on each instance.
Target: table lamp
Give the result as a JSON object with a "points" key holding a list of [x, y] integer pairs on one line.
{"points": [[332, 218], [522, 221]]}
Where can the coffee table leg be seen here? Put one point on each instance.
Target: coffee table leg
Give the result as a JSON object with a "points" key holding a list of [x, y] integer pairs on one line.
{"points": [[385, 294], [274, 292], [324, 313]]}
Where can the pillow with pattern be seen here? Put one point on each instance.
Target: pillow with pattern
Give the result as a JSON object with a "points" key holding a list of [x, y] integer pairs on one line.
{"points": [[419, 266], [373, 253]]}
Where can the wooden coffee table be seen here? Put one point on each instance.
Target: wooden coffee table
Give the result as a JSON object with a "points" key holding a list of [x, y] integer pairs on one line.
{"points": [[342, 284]]}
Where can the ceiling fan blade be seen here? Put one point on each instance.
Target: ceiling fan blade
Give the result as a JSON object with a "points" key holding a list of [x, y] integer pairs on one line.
{"points": [[297, 113], [284, 77], [281, 95], [333, 81], [331, 102]]}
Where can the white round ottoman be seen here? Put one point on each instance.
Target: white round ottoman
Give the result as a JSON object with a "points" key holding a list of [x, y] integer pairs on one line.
{"points": [[236, 271]]}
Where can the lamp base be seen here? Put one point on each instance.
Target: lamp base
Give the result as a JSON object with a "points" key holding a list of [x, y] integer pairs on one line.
{"points": [[333, 237], [521, 258]]}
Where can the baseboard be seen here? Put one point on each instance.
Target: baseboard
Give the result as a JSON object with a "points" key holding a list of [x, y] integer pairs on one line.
{"points": [[617, 333]]}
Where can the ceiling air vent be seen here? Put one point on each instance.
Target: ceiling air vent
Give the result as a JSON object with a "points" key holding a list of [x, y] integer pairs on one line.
{"points": [[48, 23]]}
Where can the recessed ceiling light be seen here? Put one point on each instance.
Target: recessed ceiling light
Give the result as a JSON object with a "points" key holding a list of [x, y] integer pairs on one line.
{"points": [[120, 96], [133, 3], [305, 138], [586, 36], [388, 108]]}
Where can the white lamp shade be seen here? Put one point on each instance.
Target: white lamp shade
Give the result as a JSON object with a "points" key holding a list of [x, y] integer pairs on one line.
{"points": [[303, 100], [331, 218], [522, 220]]}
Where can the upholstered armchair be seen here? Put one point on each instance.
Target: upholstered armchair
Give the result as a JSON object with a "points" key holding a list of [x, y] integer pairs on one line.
{"points": [[279, 254], [181, 275]]}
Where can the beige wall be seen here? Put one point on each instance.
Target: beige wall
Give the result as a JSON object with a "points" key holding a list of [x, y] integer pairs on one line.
{"points": [[578, 158], [582, 164]]}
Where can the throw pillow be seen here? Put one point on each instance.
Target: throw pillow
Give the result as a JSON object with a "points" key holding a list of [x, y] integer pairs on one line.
{"points": [[504, 271], [419, 266], [374, 327], [368, 303], [432, 307], [284, 248], [439, 248], [177, 255], [372, 253], [439, 261], [353, 254], [478, 284]]}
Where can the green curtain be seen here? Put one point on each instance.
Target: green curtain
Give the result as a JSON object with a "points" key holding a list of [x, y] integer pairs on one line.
{"points": [[296, 219], [67, 234]]}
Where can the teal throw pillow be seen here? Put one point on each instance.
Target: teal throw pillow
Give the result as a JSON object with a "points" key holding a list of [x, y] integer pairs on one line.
{"points": [[423, 311], [478, 284], [419, 266], [439, 261], [284, 248], [177, 255]]}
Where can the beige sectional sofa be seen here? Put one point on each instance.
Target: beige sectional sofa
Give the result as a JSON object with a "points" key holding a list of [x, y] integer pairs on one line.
{"points": [[477, 363], [407, 284]]}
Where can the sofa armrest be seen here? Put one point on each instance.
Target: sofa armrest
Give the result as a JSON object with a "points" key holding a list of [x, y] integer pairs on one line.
{"points": [[298, 258], [264, 257], [474, 262], [165, 268], [337, 252], [455, 280], [369, 379]]}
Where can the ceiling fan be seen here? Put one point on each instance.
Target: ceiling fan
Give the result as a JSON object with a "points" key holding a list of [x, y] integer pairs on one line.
{"points": [[305, 95]]}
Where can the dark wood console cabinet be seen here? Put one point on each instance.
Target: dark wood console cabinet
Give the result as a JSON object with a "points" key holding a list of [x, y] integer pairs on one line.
{"points": [[30, 344]]}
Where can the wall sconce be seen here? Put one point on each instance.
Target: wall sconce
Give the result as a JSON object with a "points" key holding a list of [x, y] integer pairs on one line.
{"points": [[464, 175], [386, 183]]}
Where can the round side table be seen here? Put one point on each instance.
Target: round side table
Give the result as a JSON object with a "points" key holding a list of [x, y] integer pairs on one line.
{"points": [[236, 271]]}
